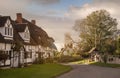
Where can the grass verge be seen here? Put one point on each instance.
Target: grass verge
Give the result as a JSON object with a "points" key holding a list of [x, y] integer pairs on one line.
{"points": [[35, 71], [84, 61], [105, 64]]}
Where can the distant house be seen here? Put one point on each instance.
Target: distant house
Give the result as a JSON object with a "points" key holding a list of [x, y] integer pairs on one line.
{"points": [[95, 55], [23, 41]]}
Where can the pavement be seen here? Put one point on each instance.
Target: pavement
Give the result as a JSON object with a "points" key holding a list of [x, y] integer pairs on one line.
{"points": [[89, 71]]}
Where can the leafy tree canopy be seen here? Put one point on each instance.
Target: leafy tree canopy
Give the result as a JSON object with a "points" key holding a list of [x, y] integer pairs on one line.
{"points": [[96, 30]]}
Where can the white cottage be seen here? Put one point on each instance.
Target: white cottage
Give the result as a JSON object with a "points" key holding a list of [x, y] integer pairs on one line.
{"points": [[22, 41]]}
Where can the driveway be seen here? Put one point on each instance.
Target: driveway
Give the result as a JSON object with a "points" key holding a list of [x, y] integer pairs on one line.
{"points": [[89, 71]]}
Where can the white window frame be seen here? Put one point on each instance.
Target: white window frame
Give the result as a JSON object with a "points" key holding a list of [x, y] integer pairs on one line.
{"points": [[27, 34], [8, 29]]}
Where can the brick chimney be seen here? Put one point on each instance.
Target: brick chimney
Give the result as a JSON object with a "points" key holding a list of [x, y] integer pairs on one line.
{"points": [[19, 17], [33, 22]]}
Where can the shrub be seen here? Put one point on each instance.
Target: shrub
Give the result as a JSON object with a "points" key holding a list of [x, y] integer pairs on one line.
{"points": [[49, 60], [3, 56], [39, 61], [84, 55], [64, 59]]}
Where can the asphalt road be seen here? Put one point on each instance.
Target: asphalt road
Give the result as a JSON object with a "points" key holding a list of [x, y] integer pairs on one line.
{"points": [[88, 71]]}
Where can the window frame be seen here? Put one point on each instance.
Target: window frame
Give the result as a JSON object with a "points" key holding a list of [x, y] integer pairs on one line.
{"points": [[8, 29]]}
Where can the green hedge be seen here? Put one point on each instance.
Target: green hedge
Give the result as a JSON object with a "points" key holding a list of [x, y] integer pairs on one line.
{"points": [[64, 59]]}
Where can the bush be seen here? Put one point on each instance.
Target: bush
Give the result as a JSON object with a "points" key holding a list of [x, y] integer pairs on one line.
{"points": [[85, 55], [3, 56], [39, 61], [64, 59], [49, 60], [43, 60]]}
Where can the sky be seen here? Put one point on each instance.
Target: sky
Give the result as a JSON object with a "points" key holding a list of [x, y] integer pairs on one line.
{"points": [[57, 17]]}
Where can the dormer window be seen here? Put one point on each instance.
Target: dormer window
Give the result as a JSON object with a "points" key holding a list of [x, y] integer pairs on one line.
{"points": [[26, 34], [8, 29]]}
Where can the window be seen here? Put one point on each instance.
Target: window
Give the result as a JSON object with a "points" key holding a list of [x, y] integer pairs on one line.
{"points": [[5, 30], [26, 35], [28, 55], [8, 29], [11, 30]]}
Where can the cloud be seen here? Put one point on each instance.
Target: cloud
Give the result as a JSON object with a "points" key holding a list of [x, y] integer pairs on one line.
{"points": [[106, 1], [111, 6], [45, 2], [11, 7], [56, 27]]}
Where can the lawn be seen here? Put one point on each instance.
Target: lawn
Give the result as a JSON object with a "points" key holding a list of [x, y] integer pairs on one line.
{"points": [[35, 71], [105, 64], [84, 61]]}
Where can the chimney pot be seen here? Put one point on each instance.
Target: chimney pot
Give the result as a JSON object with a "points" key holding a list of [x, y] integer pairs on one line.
{"points": [[19, 17], [33, 22]]}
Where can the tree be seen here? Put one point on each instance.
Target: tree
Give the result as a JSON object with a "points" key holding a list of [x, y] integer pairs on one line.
{"points": [[68, 46], [118, 46], [18, 45], [96, 29], [17, 48], [68, 39]]}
